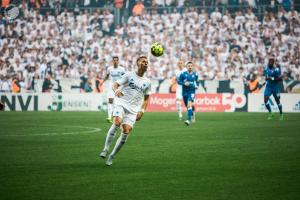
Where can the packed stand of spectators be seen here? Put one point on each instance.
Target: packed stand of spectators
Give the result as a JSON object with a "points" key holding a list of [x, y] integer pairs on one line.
{"points": [[81, 45], [68, 45]]}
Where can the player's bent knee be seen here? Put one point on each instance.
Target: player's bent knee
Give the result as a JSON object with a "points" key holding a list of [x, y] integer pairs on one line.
{"points": [[126, 128], [117, 121]]}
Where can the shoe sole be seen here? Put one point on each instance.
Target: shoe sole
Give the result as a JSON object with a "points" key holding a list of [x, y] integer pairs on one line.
{"points": [[103, 156]]}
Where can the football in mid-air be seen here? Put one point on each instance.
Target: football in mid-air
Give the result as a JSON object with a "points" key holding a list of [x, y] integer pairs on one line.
{"points": [[157, 49]]}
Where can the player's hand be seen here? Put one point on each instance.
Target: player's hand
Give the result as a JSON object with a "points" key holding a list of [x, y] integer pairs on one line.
{"points": [[139, 116], [186, 83], [118, 93]]}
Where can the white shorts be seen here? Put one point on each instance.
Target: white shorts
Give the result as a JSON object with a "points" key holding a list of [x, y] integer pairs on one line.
{"points": [[126, 116], [179, 94], [110, 93]]}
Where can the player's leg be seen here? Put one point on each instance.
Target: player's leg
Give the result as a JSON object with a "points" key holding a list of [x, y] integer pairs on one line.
{"points": [[119, 144], [178, 106], [267, 95], [189, 113], [117, 120], [178, 103], [276, 96], [194, 113], [185, 101], [128, 122], [190, 105], [110, 108]]}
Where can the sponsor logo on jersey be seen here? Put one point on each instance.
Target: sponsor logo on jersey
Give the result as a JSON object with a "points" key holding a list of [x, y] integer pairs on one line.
{"points": [[135, 86]]}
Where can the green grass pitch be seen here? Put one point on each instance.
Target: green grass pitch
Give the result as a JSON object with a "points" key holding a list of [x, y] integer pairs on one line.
{"points": [[230, 156]]}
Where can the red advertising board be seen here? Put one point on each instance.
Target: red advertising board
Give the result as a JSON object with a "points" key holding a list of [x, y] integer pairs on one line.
{"points": [[223, 102]]}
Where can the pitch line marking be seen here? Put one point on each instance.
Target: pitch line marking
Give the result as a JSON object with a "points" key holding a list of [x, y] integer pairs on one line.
{"points": [[92, 130]]}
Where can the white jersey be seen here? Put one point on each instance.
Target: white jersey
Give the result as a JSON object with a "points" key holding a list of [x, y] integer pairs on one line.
{"points": [[115, 73], [133, 88], [179, 87]]}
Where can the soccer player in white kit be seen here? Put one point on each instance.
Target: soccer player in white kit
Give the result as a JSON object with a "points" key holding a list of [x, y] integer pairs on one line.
{"points": [[113, 73], [180, 69], [132, 94]]}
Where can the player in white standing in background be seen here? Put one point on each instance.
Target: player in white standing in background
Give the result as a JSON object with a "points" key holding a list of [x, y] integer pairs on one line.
{"points": [[180, 69], [132, 94], [114, 73]]}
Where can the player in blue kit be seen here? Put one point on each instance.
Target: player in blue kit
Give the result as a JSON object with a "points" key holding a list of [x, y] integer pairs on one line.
{"points": [[189, 82], [273, 77]]}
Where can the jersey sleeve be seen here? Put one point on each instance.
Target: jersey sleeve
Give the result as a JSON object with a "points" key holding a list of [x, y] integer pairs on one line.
{"points": [[265, 72], [108, 70], [278, 72], [181, 79], [123, 71], [177, 76], [148, 89], [123, 79]]}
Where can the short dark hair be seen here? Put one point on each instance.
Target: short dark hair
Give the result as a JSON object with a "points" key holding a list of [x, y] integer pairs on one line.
{"points": [[189, 62], [115, 57], [272, 58], [137, 60]]}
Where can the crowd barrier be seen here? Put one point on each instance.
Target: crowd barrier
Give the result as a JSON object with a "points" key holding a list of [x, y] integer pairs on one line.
{"points": [[218, 102]]}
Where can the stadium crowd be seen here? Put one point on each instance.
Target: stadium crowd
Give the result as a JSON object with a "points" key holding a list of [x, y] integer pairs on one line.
{"points": [[80, 44]]}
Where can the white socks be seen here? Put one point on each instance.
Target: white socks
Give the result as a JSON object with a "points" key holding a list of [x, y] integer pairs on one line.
{"points": [[178, 106], [120, 142], [110, 136], [110, 108]]}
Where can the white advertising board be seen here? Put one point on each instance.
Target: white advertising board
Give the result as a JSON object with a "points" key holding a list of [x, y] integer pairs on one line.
{"points": [[290, 103]]}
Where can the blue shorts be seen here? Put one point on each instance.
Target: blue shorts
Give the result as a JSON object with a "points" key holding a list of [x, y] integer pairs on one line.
{"points": [[187, 98], [271, 91]]}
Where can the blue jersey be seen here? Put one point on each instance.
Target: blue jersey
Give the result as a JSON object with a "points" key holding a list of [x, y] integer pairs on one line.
{"points": [[272, 73], [272, 87], [192, 78]]}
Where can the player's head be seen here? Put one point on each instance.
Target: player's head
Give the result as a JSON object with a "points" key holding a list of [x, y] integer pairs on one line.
{"points": [[180, 64], [271, 61], [189, 66], [49, 75], [116, 61], [142, 63]]}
